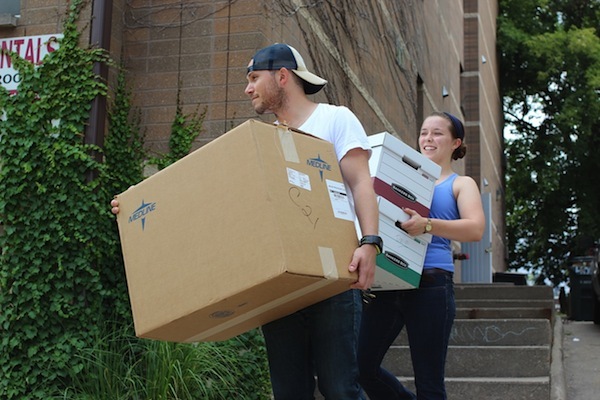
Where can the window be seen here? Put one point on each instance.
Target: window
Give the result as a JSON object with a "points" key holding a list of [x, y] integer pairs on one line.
{"points": [[11, 7], [10, 11]]}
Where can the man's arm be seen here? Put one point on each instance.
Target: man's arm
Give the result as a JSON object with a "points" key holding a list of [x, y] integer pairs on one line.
{"points": [[355, 170]]}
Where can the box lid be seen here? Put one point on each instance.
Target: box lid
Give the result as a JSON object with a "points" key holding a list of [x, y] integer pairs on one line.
{"points": [[408, 155]]}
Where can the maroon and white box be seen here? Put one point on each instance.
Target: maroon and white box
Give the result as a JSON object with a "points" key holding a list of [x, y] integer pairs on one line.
{"points": [[401, 174]]}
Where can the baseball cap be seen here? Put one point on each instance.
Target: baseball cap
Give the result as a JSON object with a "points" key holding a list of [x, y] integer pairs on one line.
{"points": [[279, 55]]}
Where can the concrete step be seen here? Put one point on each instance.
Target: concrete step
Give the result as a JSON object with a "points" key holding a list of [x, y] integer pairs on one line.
{"points": [[500, 346], [505, 303], [496, 332], [480, 361], [536, 388], [502, 291], [501, 332], [502, 313]]}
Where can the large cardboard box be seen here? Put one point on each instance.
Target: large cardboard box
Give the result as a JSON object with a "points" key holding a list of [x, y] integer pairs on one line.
{"points": [[401, 174], [249, 228]]}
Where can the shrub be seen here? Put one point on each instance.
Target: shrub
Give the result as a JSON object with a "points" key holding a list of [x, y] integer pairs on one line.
{"points": [[121, 367]]}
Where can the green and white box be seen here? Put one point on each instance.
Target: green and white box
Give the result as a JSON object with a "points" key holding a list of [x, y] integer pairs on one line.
{"points": [[400, 264]]}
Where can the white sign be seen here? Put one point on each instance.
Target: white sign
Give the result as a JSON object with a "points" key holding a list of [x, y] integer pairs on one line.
{"points": [[30, 48]]}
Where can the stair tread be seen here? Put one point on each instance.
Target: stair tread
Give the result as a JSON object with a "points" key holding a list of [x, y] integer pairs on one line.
{"points": [[534, 379], [511, 309], [486, 347], [500, 319]]}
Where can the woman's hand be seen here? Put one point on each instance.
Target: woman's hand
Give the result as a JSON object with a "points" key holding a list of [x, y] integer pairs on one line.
{"points": [[415, 225]]}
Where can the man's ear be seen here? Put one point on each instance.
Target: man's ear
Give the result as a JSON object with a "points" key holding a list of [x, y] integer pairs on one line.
{"points": [[283, 76]]}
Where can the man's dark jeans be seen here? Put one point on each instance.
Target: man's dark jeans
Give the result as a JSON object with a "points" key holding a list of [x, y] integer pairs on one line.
{"points": [[319, 340]]}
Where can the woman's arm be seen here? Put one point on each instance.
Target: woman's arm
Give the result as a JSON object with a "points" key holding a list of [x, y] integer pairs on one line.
{"points": [[470, 226]]}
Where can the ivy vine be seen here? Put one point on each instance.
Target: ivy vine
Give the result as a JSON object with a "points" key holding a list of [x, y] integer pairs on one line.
{"points": [[184, 130], [61, 268], [61, 273]]}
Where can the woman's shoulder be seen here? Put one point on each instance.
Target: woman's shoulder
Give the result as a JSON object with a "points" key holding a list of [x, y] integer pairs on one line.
{"points": [[464, 180], [464, 183]]}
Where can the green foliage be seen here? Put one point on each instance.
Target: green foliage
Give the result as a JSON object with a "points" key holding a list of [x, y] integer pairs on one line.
{"points": [[184, 130], [124, 146], [120, 367], [550, 80], [51, 285], [61, 268]]}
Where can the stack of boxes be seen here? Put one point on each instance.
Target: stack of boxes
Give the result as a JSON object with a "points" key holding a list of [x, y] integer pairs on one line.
{"points": [[402, 177], [256, 225]]}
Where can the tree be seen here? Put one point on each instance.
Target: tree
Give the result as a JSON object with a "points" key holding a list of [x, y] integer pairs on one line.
{"points": [[550, 83]]}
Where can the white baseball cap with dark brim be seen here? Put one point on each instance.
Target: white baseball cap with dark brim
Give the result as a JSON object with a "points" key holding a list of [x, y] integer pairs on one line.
{"points": [[281, 55]]}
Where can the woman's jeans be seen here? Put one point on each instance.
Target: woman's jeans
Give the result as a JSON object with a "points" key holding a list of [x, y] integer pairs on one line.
{"points": [[428, 314], [319, 340]]}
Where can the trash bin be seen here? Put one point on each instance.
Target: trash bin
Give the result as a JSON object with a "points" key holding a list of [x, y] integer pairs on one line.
{"points": [[581, 295]]}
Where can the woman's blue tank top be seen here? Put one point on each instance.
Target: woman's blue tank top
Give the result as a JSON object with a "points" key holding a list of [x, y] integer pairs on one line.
{"points": [[443, 206]]}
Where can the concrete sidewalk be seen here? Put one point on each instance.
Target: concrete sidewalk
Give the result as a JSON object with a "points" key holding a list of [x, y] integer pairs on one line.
{"points": [[575, 360]]}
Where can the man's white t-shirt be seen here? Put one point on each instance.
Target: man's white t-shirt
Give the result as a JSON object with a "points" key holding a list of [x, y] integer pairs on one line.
{"points": [[338, 125]]}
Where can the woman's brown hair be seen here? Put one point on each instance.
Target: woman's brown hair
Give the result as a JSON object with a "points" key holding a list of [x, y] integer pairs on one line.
{"points": [[457, 130]]}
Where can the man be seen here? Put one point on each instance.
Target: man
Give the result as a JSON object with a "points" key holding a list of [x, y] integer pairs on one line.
{"points": [[320, 339]]}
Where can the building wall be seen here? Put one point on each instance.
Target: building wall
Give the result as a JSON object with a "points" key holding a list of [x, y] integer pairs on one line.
{"points": [[391, 62], [482, 104], [44, 17]]}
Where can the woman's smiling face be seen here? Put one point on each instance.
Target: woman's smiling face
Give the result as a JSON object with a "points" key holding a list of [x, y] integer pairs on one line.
{"points": [[436, 141]]}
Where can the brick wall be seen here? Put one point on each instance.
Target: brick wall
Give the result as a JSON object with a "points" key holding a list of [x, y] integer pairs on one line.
{"points": [[43, 17], [391, 62]]}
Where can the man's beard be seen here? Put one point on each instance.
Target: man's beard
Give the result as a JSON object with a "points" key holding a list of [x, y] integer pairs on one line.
{"points": [[273, 99]]}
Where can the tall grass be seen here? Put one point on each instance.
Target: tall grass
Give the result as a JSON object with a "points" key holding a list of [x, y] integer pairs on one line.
{"points": [[123, 367]]}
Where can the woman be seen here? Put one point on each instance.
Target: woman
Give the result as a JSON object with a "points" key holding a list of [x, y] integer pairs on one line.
{"points": [[428, 312]]}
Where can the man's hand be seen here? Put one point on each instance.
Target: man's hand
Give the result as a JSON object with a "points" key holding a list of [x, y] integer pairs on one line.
{"points": [[114, 206], [363, 261]]}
